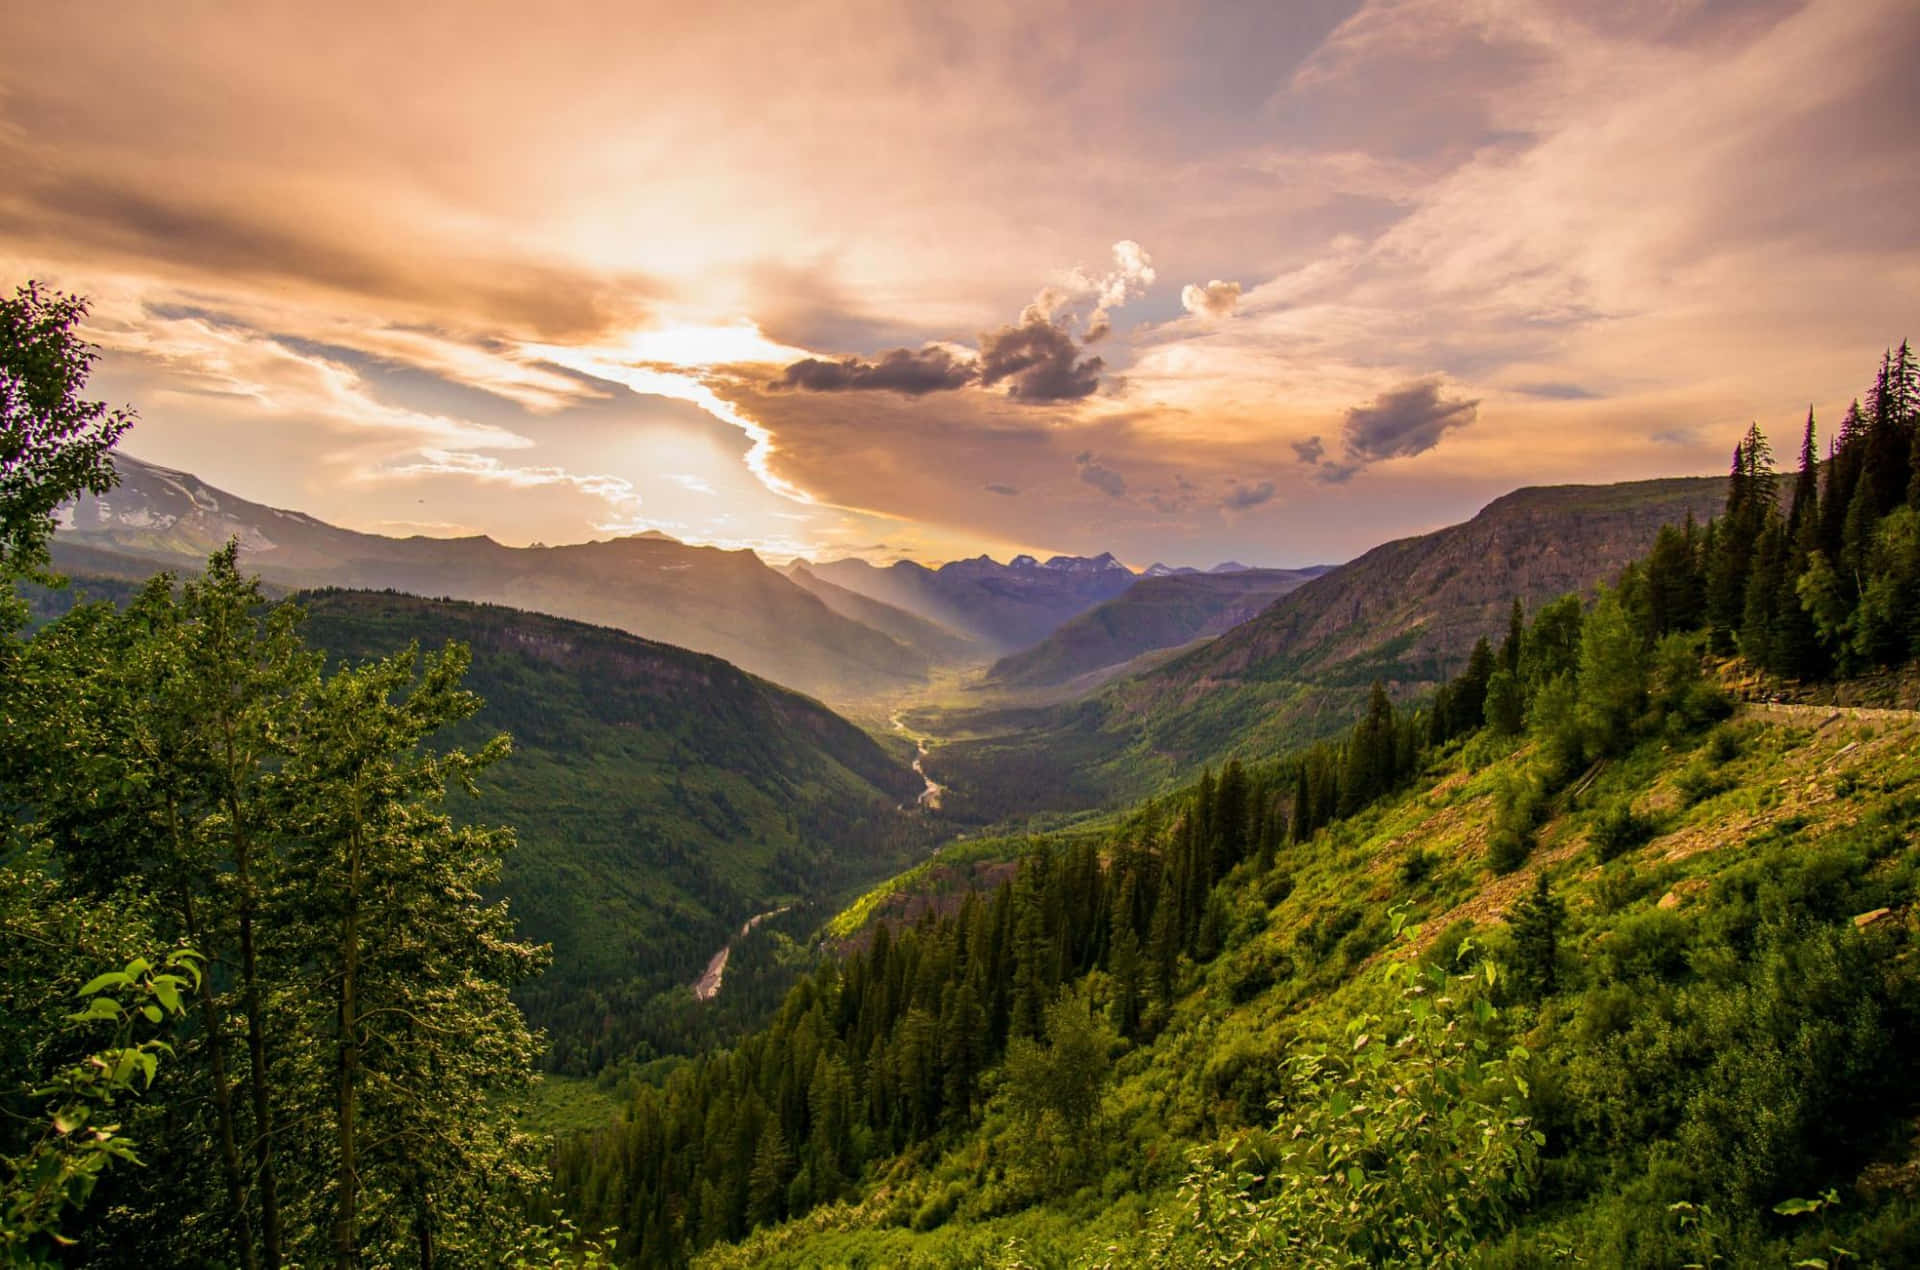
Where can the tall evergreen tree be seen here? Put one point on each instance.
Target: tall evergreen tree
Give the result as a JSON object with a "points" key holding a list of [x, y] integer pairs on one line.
{"points": [[1806, 485], [1536, 923]]}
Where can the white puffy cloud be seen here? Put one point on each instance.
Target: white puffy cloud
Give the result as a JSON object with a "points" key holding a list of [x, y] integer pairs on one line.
{"points": [[1215, 300]]}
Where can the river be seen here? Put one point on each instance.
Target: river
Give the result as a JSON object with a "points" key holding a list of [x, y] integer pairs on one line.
{"points": [[707, 986], [930, 796]]}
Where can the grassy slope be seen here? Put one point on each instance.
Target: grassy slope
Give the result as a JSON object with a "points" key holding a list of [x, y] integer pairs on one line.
{"points": [[1835, 795]]}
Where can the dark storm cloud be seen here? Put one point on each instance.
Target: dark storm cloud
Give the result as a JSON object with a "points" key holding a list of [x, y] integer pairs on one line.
{"points": [[1039, 360], [1403, 422], [1241, 497], [1104, 479], [898, 370]]}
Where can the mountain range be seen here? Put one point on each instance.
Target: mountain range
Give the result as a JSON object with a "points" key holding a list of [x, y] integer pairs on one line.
{"points": [[1002, 607], [845, 631], [1160, 611], [1405, 613]]}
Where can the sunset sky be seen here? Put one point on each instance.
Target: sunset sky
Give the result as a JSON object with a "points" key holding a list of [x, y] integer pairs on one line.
{"points": [[1270, 281]]}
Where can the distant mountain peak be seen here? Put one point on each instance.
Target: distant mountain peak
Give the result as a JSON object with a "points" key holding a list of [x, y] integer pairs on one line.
{"points": [[1231, 566], [1158, 570]]}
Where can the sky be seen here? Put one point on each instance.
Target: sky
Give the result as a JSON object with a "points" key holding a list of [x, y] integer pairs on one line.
{"points": [[1261, 281]]}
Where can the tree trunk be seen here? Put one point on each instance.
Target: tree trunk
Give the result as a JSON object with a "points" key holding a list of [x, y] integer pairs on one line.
{"points": [[257, 1056], [222, 1097], [346, 1219], [250, 998]]}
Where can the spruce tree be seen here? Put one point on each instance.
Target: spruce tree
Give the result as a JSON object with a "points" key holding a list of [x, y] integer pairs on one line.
{"points": [[1535, 923], [1766, 592], [1806, 485]]}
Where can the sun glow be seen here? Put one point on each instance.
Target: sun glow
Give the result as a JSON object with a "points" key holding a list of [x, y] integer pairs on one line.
{"points": [[667, 363]]}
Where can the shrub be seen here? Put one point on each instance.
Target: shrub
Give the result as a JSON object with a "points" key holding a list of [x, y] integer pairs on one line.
{"points": [[1697, 782], [1417, 865], [1617, 830], [1402, 1151], [1724, 744]]}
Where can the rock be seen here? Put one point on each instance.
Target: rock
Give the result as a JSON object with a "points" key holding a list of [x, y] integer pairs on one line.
{"points": [[1670, 900], [1867, 919]]}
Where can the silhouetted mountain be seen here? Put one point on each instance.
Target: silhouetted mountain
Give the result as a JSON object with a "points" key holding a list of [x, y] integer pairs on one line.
{"points": [[935, 642], [727, 603], [1155, 613], [1004, 606]]}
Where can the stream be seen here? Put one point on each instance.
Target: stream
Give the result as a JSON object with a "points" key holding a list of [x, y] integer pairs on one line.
{"points": [[707, 986], [930, 796]]}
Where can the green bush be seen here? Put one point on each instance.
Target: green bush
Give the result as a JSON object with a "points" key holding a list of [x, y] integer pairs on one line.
{"points": [[1417, 865], [1618, 830], [1405, 1142]]}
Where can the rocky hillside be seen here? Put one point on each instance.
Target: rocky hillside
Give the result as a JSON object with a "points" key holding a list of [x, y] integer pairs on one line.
{"points": [[1430, 597]]}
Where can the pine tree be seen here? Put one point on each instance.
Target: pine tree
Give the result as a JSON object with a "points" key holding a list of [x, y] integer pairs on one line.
{"points": [[1126, 971], [1760, 623], [1536, 923], [1886, 470], [1806, 486], [1163, 951], [767, 1183], [1516, 638], [1842, 480]]}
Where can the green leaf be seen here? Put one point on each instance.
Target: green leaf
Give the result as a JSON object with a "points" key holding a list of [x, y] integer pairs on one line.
{"points": [[111, 979]]}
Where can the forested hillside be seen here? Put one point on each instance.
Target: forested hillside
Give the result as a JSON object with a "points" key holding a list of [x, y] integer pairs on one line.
{"points": [[1405, 614], [1573, 960], [659, 798]]}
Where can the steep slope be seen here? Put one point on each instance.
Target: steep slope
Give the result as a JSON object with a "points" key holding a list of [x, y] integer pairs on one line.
{"points": [[1004, 606], [938, 644], [1406, 613], [660, 796], [1155, 612], [1719, 1008], [1429, 598], [723, 602]]}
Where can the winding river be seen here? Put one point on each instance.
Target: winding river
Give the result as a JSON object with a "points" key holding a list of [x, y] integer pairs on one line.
{"points": [[707, 986]]}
